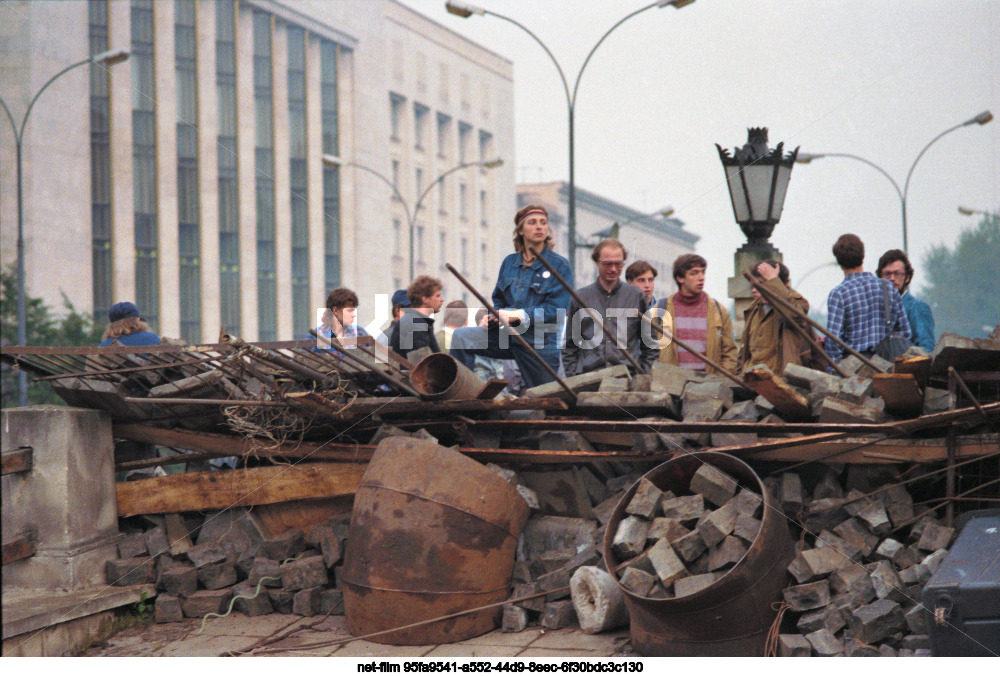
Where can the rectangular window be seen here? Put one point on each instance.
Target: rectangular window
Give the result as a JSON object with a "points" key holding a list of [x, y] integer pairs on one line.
{"points": [[329, 59], [464, 254], [188, 222], [442, 197], [147, 267], [483, 267], [420, 114], [418, 181], [230, 288], [395, 179], [463, 201], [485, 147], [420, 244], [482, 208], [267, 320], [443, 248], [397, 238], [396, 103], [299, 178], [100, 164], [464, 132], [443, 129]]}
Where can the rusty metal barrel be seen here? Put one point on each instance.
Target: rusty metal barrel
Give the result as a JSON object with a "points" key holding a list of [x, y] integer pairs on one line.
{"points": [[432, 533], [441, 376], [731, 617]]}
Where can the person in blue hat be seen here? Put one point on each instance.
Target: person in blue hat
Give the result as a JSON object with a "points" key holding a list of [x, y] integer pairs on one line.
{"points": [[127, 327], [399, 302]]}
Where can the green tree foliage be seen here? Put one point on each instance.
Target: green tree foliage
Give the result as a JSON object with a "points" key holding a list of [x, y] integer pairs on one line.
{"points": [[44, 327], [962, 284]]}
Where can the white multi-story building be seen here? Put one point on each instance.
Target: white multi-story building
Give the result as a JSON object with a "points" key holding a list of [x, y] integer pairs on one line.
{"points": [[647, 237], [250, 156]]}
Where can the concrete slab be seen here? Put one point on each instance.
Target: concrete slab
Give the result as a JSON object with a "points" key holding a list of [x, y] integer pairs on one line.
{"points": [[569, 639], [206, 646], [368, 649], [465, 650], [26, 610], [238, 624], [500, 639]]}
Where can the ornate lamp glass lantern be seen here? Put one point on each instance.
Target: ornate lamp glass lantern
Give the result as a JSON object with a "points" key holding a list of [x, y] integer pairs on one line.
{"points": [[758, 181]]}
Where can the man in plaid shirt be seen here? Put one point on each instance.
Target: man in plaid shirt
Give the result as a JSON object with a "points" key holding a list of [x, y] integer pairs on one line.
{"points": [[856, 306]]}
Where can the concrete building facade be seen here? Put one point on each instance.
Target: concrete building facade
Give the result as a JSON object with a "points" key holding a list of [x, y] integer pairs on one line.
{"points": [[655, 240], [250, 156]]}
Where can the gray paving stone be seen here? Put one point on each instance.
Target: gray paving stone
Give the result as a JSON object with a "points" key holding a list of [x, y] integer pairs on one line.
{"points": [[717, 525], [728, 553], [167, 609], [876, 621], [217, 575], [645, 501], [693, 584], [807, 596], [686, 508], [558, 614], [250, 602], [824, 643], [637, 581], [714, 485], [307, 602], [630, 537], [285, 546], [178, 580], [793, 645], [665, 562], [304, 573], [132, 545], [515, 619], [127, 572], [206, 601], [935, 537]]}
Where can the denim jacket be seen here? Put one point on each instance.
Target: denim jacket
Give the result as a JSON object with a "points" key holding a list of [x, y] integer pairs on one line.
{"points": [[535, 290]]}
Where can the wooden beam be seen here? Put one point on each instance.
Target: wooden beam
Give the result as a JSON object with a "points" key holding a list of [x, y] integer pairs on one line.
{"points": [[788, 403], [25, 544], [885, 451], [237, 488], [19, 460]]}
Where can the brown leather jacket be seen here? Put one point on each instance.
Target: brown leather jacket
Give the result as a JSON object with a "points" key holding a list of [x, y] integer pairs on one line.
{"points": [[766, 337]]}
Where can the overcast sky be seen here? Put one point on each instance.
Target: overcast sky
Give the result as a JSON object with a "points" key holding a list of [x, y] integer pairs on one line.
{"points": [[878, 79]]}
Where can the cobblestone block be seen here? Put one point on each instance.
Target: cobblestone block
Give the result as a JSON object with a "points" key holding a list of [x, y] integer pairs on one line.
{"points": [[746, 528], [645, 501], [331, 602], [714, 485], [790, 494], [717, 525], [855, 648], [874, 516], [686, 509], [637, 581], [206, 601], [886, 580], [793, 645], [824, 643], [858, 535], [935, 537], [665, 562], [558, 614], [693, 584], [807, 596], [689, 547], [132, 545], [630, 537], [167, 609], [664, 528], [304, 573], [876, 621], [285, 546], [267, 570], [828, 617], [515, 619], [281, 599], [916, 619], [127, 572], [250, 602], [307, 602], [156, 541], [178, 580], [217, 575]]}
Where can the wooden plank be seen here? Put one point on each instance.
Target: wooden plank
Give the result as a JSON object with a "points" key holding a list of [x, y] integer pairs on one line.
{"points": [[884, 451], [237, 488], [25, 544], [19, 460], [919, 367], [177, 534], [492, 388], [787, 403], [900, 392]]}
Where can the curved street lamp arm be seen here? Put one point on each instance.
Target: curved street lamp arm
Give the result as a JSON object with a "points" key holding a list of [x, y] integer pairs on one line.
{"points": [[906, 186], [562, 76], [870, 164], [579, 75], [420, 200], [24, 122], [10, 117], [395, 190]]}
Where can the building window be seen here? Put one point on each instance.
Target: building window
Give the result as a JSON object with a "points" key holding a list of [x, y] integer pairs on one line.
{"points": [[418, 181], [463, 201], [329, 59], [464, 132], [395, 179], [100, 165], [397, 238], [230, 288], [396, 103], [420, 244], [420, 114], [483, 262], [267, 321], [443, 248], [442, 197], [443, 128], [298, 176], [464, 254], [482, 208], [485, 147], [147, 268], [188, 215]]}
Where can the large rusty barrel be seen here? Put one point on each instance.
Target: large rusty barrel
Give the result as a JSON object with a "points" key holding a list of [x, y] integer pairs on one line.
{"points": [[441, 376], [432, 533], [731, 617]]}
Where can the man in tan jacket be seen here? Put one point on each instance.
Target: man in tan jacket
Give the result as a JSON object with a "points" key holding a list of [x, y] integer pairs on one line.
{"points": [[697, 319], [767, 338]]}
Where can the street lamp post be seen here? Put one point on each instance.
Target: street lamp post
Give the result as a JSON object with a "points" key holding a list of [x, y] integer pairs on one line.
{"points": [[411, 216], [980, 119], [466, 10], [108, 58], [614, 229]]}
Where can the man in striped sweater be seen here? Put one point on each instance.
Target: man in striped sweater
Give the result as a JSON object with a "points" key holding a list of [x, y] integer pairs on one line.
{"points": [[697, 319]]}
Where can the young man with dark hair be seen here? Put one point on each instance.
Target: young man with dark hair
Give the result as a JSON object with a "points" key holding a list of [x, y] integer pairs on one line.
{"points": [[767, 338], [415, 328], [697, 319], [642, 275], [340, 320], [895, 266], [856, 306], [619, 305]]}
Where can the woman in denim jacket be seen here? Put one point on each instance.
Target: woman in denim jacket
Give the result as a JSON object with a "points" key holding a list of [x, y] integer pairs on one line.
{"points": [[529, 299]]}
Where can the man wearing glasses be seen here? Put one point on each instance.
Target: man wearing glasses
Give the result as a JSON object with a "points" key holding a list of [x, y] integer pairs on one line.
{"points": [[895, 266], [620, 306], [697, 319]]}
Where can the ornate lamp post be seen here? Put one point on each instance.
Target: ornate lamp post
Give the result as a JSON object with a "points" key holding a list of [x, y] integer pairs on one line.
{"points": [[757, 178]]}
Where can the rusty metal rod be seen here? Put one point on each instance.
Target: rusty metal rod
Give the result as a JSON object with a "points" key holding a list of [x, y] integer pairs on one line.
{"points": [[204, 402], [395, 382], [824, 331], [593, 314], [790, 319], [269, 356], [948, 499], [504, 326], [952, 373]]}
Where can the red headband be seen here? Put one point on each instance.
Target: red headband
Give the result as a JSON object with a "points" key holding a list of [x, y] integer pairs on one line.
{"points": [[532, 211]]}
